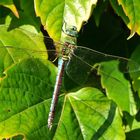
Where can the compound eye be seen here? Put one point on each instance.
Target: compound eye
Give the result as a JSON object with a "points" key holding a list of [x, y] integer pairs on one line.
{"points": [[74, 28]]}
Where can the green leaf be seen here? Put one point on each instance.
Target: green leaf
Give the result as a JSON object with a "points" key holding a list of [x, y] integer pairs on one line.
{"points": [[87, 114], [25, 99], [10, 4], [133, 135], [131, 9], [54, 13], [27, 15], [16, 44], [4, 2], [117, 87], [99, 9], [119, 10], [27, 83], [136, 75], [135, 126]]}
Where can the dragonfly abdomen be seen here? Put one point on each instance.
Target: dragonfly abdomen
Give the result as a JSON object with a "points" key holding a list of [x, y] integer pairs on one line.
{"points": [[61, 66]]}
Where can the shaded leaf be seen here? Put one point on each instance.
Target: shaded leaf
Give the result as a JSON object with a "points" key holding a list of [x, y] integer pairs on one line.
{"points": [[99, 9], [136, 75], [18, 137], [135, 126], [119, 10], [133, 135], [117, 88], [10, 4], [132, 10], [27, 16]]}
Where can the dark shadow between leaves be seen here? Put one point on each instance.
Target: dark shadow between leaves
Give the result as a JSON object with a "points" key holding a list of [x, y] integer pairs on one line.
{"points": [[107, 123]]}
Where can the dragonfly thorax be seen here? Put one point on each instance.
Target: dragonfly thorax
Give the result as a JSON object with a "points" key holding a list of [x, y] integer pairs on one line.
{"points": [[67, 50]]}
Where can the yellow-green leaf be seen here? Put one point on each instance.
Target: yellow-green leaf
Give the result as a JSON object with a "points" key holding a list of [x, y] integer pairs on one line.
{"points": [[53, 13], [132, 10], [10, 4]]}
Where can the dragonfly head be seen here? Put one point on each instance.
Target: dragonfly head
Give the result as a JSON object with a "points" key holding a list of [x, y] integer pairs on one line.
{"points": [[70, 30]]}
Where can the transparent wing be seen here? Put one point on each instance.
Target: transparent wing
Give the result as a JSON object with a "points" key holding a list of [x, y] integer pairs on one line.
{"points": [[20, 43], [27, 89], [84, 60]]}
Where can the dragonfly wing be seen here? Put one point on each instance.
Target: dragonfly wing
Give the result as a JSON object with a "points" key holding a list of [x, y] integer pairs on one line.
{"points": [[78, 70], [111, 70], [84, 60]]}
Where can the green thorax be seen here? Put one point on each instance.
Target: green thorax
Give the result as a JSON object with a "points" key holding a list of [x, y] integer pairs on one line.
{"points": [[69, 39]]}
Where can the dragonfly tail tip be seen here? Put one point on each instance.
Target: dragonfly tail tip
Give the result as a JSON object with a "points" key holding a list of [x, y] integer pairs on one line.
{"points": [[49, 127]]}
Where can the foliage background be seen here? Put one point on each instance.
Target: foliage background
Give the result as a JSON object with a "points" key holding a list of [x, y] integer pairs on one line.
{"points": [[105, 107]]}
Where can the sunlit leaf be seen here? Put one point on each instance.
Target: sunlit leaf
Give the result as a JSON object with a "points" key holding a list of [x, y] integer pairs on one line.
{"points": [[18, 38], [54, 13], [27, 81], [87, 114]]}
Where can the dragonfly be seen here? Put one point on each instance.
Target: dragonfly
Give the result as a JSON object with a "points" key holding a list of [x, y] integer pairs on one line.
{"points": [[71, 57]]}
